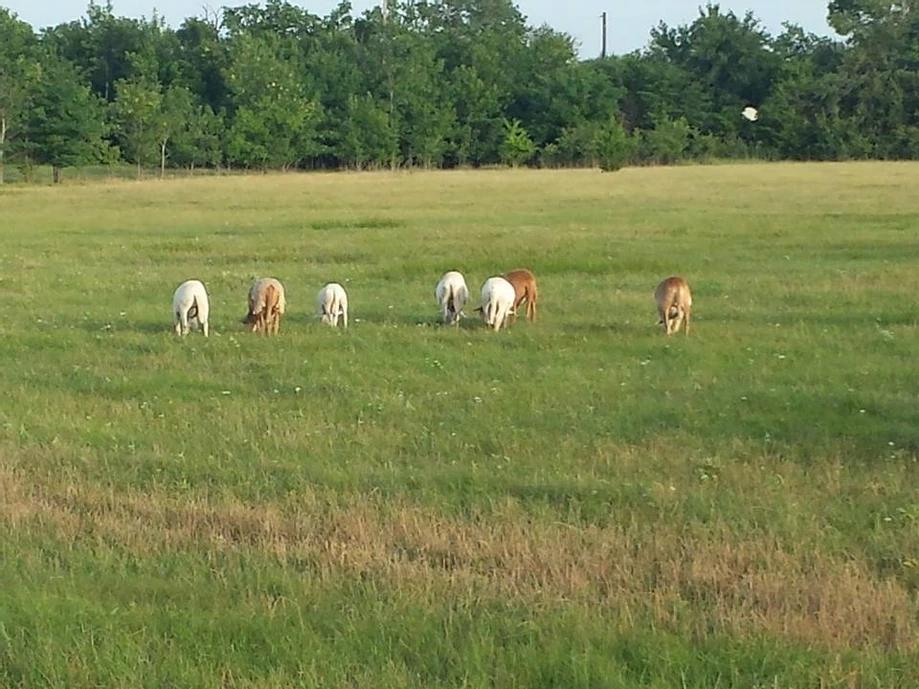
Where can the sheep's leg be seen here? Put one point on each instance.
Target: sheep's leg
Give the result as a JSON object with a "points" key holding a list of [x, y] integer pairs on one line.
{"points": [[686, 322], [204, 328], [344, 315], [678, 320], [183, 322]]}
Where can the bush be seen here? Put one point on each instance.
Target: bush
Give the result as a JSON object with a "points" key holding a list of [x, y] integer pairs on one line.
{"points": [[667, 142], [614, 146], [517, 148]]}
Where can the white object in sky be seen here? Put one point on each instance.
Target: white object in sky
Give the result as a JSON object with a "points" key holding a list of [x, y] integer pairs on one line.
{"points": [[750, 113]]}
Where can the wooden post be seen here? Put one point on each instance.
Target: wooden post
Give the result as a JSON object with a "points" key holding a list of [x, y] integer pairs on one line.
{"points": [[603, 49]]}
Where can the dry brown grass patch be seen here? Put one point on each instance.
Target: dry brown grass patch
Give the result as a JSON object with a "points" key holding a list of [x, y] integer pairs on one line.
{"points": [[696, 582]]}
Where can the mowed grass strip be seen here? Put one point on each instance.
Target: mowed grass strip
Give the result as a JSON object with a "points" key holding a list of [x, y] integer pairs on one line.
{"points": [[576, 502]]}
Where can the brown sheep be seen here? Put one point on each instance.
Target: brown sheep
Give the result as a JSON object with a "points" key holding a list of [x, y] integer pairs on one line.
{"points": [[674, 304], [524, 283], [266, 306]]}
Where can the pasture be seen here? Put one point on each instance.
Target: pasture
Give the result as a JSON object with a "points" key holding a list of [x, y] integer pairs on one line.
{"points": [[579, 502]]}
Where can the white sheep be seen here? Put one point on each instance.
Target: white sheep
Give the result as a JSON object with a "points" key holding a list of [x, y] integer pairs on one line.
{"points": [[333, 304], [498, 298], [452, 294], [189, 303]]}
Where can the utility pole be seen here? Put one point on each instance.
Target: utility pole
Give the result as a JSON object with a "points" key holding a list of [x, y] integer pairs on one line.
{"points": [[603, 49], [384, 9]]}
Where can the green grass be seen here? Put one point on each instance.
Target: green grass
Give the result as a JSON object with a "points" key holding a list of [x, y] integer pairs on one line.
{"points": [[579, 502]]}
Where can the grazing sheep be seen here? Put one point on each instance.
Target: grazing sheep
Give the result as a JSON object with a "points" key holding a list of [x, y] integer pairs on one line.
{"points": [[524, 283], [189, 303], [266, 306], [674, 304], [497, 302], [333, 304], [452, 295]]}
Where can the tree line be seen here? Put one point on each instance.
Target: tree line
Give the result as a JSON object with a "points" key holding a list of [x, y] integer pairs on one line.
{"points": [[444, 83]]}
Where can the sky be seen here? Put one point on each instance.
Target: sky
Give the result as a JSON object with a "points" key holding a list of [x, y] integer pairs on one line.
{"points": [[629, 22]]}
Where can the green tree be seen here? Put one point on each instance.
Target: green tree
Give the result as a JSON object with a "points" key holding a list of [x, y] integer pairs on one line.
{"points": [[198, 141], [726, 56], [481, 44], [552, 96], [176, 116], [880, 72], [403, 70], [477, 129], [803, 117], [137, 114], [275, 123], [17, 74], [274, 132], [100, 45], [66, 122], [202, 61], [368, 138]]}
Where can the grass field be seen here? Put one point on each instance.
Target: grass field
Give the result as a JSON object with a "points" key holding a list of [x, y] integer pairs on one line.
{"points": [[579, 502]]}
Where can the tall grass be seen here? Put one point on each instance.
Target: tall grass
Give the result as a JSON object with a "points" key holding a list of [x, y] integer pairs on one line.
{"points": [[579, 502]]}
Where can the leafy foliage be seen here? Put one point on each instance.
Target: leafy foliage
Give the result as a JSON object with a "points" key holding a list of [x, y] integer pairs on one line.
{"points": [[464, 82], [65, 124], [517, 147]]}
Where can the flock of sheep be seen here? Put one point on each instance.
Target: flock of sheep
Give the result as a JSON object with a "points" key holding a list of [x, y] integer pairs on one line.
{"points": [[502, 295]]}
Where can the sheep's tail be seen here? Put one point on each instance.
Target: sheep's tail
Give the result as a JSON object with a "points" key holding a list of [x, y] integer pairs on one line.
{"points": [[272, 300], [491, 311]]}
